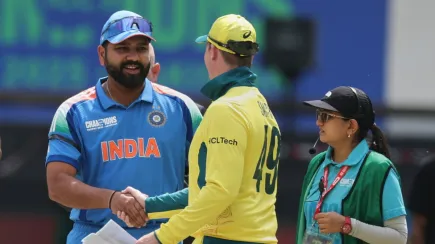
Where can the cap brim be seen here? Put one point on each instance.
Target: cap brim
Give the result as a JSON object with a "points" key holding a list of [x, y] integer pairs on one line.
{"points": [[128, 34], [201, 39], [320, 104]]}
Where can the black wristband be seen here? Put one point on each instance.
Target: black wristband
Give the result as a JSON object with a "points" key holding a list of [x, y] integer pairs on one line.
{"points": [[110, 200]]}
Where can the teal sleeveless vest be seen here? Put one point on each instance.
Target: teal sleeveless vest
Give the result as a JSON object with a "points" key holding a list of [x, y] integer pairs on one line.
{"points": [[364, 200]]}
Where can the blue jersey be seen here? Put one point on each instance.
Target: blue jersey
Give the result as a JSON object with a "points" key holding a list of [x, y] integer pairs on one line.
{"points": [[144, 145], [392, 200]]}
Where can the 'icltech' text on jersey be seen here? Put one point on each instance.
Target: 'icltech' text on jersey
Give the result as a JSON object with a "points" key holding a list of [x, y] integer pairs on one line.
{"points": [[233, 167], [144, 145]]}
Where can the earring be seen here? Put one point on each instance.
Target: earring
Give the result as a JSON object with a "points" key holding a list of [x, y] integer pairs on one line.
{"points": [[348, 135]]}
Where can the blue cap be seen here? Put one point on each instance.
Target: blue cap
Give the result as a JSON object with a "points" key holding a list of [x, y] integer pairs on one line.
{"points": [[125, 24]]}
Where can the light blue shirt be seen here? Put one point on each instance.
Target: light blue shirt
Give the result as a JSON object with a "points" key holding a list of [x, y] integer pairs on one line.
{"points": [[392, 198]]}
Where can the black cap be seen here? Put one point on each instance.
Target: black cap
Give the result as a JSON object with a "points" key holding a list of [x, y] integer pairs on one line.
{"points": [[350, 102]]}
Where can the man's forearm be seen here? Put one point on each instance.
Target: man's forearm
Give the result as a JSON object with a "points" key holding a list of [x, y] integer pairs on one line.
{"points": [[167, 202], [212, 200], [73, 193]]}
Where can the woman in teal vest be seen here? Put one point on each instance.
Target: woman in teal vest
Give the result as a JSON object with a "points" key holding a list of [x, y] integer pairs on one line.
{"points": [[351, 192]]}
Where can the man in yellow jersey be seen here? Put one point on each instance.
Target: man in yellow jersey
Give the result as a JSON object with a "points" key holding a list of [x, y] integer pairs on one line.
{"points": [[234, 155]]}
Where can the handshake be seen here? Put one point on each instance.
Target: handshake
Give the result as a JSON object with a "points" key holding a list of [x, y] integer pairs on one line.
{"points": [[129, 206]]}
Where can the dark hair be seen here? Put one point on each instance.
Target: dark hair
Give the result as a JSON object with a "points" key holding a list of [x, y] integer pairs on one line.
{"points": [[379, 141], [105, 44], [366, 121]]}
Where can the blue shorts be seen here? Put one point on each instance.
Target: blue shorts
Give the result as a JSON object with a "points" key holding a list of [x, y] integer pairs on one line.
{"points": [[81, 230]]}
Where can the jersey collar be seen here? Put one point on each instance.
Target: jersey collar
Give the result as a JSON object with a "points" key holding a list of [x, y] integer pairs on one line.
{"points": [[355, 157], [106, 102], [217, 87]]}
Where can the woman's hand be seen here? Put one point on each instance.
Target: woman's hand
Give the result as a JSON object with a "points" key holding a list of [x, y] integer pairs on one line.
{"points": [[330, 222]]}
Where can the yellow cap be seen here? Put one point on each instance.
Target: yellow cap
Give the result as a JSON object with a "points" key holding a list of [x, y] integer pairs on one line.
{"points": [[229, 27]]}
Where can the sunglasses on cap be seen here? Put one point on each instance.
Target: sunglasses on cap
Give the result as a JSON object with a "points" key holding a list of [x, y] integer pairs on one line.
{"points": [[240, 48], [324, 116], [126, 24]]}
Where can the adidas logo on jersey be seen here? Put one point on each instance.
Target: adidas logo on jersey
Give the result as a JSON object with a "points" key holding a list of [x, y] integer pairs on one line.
{"points": [[101, 123]]}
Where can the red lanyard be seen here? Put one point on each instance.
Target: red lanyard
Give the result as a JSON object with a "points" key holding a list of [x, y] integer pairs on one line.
{"points": [[340, 176]]}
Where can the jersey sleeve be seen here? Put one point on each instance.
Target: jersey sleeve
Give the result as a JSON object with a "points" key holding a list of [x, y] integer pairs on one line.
{"points": [[392, 199], [419, 199], [223, 165], [193, 118], [64, 143], [166, 205], [195, 114]]}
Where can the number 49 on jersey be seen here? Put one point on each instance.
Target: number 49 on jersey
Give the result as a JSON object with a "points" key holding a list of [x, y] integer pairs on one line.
{"points": [[269, 156]]}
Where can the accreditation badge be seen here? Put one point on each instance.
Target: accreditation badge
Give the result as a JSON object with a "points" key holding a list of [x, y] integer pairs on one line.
{"points": [[313, 236]]}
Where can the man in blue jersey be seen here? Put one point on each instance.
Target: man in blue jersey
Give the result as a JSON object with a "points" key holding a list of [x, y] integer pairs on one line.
{"points": [[124, 131]]}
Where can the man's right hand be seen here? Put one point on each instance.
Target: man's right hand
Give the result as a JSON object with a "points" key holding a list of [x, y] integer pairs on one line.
{"points": [[139, 196], [124, 202]]}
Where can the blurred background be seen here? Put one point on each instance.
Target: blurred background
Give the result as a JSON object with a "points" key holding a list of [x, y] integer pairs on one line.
{"points": [[48, 53]]}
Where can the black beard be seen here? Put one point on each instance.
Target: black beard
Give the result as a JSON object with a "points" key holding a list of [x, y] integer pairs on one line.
{"points": [[128, 81]]}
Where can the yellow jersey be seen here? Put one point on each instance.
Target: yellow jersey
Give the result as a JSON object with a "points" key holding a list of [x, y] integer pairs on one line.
{"points": [[233, 168]]}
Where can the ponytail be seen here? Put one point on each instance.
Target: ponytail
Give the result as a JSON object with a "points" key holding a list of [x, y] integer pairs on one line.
{"points": [[379, 142]]}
